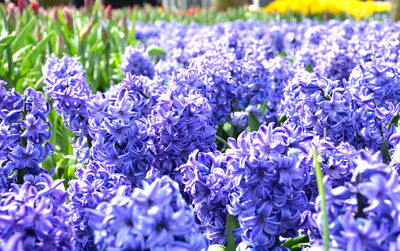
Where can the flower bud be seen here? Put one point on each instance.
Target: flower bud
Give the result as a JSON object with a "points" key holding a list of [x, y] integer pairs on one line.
{"points": [[21, 4], [86, 30], [11, 17], [60, 43], [68, 18], [109, 12], [105, 34], [54, 14], [122, 24], [35, 7]]}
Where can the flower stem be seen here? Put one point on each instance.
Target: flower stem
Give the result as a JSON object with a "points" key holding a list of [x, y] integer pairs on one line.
{"points": [[321, 191], [222, 141]]}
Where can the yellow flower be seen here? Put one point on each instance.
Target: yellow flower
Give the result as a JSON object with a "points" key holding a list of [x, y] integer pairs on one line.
{"points": [[357, 8]]}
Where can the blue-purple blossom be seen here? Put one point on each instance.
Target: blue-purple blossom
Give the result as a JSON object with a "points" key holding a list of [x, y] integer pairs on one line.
{"points": [[338, 163], [24, 131], [209, 76], [364, 214], [179, 124], [65, 67], [207, 181], [70, 95], [34, 217], [94, 185], [136, 61], [262, 83], [153, 218], [320, 105], [336, 61], [119, 130], [268, 180], [376, 81], [68, 88]]}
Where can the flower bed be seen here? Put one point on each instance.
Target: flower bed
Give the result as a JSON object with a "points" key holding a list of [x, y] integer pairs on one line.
{"points": [[238, 135]]}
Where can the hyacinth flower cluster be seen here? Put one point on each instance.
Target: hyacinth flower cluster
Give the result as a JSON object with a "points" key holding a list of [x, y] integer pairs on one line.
{"points": [[269, 94], [118, 127], [68, 88], [162, 119], [153, 218], [34, 217], [320, 105], [263, 78], [136, 61], [377, 81], [208, 183], [364, 214], [268, 181], [334, 109], [96, 184], [261, 91], [392, 46], [337, 162], [24, 130], [210, 77], [375, 87], [336, 60], [179, 124]]}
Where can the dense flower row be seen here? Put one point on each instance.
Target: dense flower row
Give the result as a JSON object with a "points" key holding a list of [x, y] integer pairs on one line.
{"points": [[221, 126], [357, 8]]}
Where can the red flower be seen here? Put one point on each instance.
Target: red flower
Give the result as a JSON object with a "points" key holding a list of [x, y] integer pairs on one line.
{"points": [[108, 11], [21, 4], [35, 7]]}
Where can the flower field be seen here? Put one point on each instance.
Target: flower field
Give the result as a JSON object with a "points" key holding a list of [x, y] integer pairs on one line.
{"points": [[122, 131]]}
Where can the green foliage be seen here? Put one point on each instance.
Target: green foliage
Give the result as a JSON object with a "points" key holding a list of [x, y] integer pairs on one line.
{"points": [[321, 192], [297, 243], [385, 152], [231, 224], [253, 122]]}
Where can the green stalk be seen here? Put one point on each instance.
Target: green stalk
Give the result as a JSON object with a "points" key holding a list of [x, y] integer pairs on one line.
{"points": [[321, 191], [222, 141], [231, 224], [24, 142], [10, 62]]}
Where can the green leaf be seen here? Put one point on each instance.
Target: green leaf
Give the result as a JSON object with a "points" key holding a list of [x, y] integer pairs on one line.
{"points": [[36, 50], [283, 54], [321, 192], [394, 121], [19, 55], [253, 122], [6, 40], [216, 247], [281, 120], [10, 61], [4, 18], [293, 242], [231, 224], [228, 128], [155, 51], [385, 151], [264, 107], [308, 68], [65, 38], [132, 34], [22, 35]]}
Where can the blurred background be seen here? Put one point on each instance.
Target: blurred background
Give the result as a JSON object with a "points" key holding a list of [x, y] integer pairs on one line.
{"points": [[356, 8], [186, 4]]}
